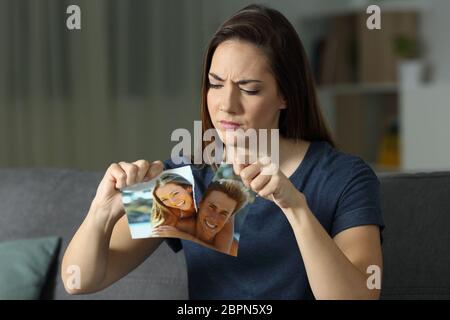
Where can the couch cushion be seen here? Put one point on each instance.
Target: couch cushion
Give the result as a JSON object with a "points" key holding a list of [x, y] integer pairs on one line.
{"points": [[25, 266], [416, 248], [45, 202]]}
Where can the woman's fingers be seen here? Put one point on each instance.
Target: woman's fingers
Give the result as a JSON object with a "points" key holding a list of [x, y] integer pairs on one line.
{"points": [[118, 174], [259, 182], [131, 171], [165, 228], [164, 231], [249, 173], [270, 188], [261, 176], [126, 174], [155, 168], [143, 166], [158, 233], [237, 167]]}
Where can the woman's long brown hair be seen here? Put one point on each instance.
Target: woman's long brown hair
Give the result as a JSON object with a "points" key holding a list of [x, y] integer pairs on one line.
{"points": [[270, 31]]}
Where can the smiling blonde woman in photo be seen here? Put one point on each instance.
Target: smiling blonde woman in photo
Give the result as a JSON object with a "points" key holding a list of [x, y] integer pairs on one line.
{"points": [[315, 227], [173, 202]]}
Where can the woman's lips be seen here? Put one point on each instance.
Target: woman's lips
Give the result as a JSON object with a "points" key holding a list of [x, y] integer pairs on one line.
{"points": [[227, 125], [179, 204]]}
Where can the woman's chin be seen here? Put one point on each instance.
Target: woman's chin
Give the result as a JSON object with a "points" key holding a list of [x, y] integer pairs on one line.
{"points": [[230, 143]]}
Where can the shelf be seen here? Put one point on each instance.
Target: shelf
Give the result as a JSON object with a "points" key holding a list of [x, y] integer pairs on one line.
{"points": [[381, 88], [357, 73]]}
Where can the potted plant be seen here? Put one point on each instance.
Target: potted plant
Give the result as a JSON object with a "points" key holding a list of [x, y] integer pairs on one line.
{"points": [[410, 66]]}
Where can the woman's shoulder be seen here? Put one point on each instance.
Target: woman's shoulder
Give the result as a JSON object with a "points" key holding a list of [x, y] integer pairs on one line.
{"points": [[332, 162]]}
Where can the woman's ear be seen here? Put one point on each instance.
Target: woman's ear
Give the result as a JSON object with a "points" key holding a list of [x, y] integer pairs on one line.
{"points": [[283, 104], [189, 189]]}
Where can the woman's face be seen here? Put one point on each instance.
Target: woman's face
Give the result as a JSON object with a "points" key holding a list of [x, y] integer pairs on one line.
{"points": [[175, 196], [214, 212], [242, 90]]}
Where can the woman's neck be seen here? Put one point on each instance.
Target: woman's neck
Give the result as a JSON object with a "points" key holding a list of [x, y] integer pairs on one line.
{"points": [[292, 153]]}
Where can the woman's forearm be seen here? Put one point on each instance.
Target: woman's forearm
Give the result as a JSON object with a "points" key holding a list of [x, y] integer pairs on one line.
{"points": [[330, 273], [87, 254]]}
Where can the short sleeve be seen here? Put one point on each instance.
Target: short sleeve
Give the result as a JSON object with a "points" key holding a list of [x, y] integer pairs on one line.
{"points": [[175, 244], [359, 203]]}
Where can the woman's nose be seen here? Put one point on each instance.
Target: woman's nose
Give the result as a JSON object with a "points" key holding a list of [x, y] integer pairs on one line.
{"points": [[174, 200], [230, 101]]}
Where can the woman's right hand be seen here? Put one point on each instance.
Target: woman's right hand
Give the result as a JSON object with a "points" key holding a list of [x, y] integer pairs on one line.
{"points": [[119, 175]]}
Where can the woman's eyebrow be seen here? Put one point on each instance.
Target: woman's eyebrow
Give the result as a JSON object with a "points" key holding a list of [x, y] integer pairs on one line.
{"points": [[244, 81]]}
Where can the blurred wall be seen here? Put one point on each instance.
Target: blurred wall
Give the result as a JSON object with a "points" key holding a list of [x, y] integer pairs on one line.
{"points": [[436, 24], [112, 91], [117, 89]]}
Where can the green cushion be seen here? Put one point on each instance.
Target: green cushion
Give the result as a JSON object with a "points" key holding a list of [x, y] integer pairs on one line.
{"points": [[24, 265]]}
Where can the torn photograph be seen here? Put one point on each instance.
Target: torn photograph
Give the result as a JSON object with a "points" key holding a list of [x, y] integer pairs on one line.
{"points": [[166, 207]]}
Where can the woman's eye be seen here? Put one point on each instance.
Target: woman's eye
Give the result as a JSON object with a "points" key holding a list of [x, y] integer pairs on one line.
{"points": [[251, 92], [215, 86]]}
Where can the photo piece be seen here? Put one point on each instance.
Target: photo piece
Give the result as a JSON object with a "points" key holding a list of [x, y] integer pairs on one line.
{"points": [[166, 207], [167, 200], [222, 211]]}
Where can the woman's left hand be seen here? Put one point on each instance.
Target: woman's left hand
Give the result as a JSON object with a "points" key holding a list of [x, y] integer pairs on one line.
{"points": [[269, 182], [165, 231]]}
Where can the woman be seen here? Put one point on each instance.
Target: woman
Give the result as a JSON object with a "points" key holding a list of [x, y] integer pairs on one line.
{"points": [[315, 227], [220, 202], [173, 203]]}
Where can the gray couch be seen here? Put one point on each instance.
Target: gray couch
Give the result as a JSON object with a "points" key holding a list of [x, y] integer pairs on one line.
{"points": [[416, 248]]}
